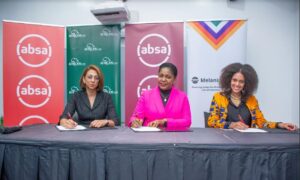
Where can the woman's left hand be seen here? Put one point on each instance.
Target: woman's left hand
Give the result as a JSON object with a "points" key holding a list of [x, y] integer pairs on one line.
{"points": [[101, 123], [157, 123], [288, 126]]}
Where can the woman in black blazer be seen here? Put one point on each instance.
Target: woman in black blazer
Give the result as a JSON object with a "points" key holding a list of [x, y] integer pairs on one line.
{"points": [[92, 104]]}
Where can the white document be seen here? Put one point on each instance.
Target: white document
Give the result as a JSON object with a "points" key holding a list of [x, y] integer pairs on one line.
{"points": [[252, 130], [77, 128], [146, 129]]}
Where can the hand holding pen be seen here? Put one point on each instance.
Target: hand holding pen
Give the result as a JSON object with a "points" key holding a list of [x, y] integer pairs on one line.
{"points": [[239, 124], [137, 123], [242, 124], [70, 123]]}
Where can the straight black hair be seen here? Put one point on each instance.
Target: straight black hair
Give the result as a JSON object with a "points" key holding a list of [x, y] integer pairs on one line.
{"points": [[171, 66]]}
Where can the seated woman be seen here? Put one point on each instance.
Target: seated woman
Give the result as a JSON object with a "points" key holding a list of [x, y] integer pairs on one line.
{"points": [[93, 106], [236, 106], [163, 106]]}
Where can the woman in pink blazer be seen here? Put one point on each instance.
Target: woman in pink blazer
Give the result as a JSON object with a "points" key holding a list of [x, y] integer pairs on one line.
{"points": [[163, 106]]}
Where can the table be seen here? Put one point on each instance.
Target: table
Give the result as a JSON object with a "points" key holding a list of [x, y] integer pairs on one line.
{"points": [[43, 152]]}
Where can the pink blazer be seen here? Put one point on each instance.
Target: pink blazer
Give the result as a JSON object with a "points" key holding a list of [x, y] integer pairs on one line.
{"points": [[150, 107]]}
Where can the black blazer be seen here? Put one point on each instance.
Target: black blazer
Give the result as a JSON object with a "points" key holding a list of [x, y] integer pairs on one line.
{"points": [[103, 107]]}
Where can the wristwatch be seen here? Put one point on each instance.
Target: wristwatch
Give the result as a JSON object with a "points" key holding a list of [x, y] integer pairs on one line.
{"points": [[166, 123]]}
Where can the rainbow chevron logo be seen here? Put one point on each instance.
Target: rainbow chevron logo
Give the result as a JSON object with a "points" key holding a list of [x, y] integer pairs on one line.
{"points": [[216, 33]]}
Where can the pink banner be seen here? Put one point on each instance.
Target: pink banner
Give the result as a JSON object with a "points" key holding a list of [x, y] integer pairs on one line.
{"points": [[33, 73], [147, 47]]}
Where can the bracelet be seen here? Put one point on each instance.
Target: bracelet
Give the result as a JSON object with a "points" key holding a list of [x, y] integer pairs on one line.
{"points": [[277, 125], [166, 123], [227, 124]]}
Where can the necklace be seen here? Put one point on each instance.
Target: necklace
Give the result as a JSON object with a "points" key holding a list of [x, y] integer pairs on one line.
{"points": [[165, 97], [164, 94], [235, 100]]}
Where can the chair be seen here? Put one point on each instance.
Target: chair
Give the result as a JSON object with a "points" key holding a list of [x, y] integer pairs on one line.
{"points": [[206, 115]]}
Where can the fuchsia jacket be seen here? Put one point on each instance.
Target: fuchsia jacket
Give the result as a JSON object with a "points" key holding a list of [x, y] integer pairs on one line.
{"points": [[150, 107]]}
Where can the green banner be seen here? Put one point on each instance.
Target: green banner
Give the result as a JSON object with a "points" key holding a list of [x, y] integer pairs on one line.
{"points": [[99, 45]]}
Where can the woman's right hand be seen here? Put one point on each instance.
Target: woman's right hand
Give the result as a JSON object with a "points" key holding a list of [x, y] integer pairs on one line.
{"points": [[137, 123], [238, 125], [68, 123]]}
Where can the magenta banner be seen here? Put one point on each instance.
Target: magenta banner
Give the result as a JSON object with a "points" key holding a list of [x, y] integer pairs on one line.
{"points": [[147, 47]]}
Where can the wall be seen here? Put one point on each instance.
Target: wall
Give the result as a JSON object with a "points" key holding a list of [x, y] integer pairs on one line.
{"points": [[272, 41]]}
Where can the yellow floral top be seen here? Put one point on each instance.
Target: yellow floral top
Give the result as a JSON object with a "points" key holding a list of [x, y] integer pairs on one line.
{"points": [[218, 113]]}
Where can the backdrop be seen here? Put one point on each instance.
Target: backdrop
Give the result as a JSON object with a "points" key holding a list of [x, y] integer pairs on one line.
{"points": [[99, 45], [146, 47], [211, 45], [32, 92]]}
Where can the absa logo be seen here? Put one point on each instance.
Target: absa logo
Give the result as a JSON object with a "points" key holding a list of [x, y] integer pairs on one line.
{"points": [[146, 84], [34, 50], [33, 119], [153, 50], [33, 91]]}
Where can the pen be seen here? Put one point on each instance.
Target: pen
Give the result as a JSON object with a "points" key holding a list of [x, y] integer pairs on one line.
{"points": [[241, 119], [70, 117], [138, 123]]}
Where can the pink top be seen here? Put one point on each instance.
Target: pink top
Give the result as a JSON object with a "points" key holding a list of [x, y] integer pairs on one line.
{"points": [[150, 107]]}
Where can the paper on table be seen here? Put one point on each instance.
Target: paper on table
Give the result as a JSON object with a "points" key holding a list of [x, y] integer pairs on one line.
{"points": [[251, 130], [77, 128], [146, 129]]}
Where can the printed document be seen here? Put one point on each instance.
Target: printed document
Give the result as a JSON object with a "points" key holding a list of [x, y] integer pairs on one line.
{"points": [[251, 130], [146, 129], [77, 128]]}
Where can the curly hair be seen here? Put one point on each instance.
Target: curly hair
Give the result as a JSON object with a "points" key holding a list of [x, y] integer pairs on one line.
{"points": [[250, 75], [99, 73]]}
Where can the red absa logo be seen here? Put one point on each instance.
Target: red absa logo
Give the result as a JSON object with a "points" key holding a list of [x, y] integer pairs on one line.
{"points": [[34, 50], [33, 91], [153, 50]]}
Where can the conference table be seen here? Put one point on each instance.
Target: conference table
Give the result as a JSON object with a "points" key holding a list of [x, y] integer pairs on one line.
{"points": [[43, 152]]}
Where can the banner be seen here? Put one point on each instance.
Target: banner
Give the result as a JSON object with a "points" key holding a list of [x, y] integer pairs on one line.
{"points": [[147, 47], [33, 73], [211, 45], [99, 45]]}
